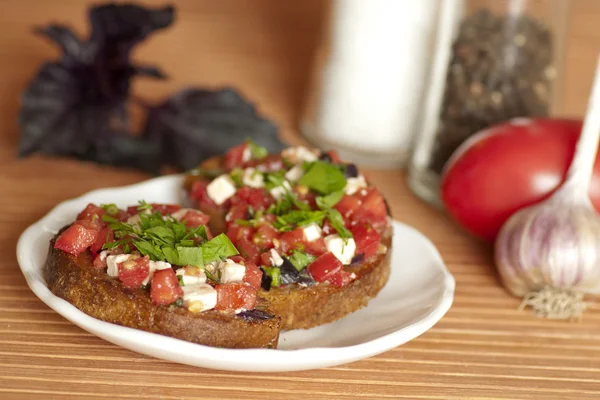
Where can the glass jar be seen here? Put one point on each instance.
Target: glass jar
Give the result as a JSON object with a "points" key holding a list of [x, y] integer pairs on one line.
{"points": [[495, 60], [371, 71]]}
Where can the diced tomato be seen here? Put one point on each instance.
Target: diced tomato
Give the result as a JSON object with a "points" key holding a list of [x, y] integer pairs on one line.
{"points": [[105, 235], [264, 236], [248, 250], [373, 210], [257, 198], [341, 278], [235, 157], [91, 212], [235, 232], [237, 211], [324, 267], [198, 192], [95, 224], [253, 275], [291, 240], [265, 258], [165, 287], [194, 218], [233, 296], [316, 247], [306, 195], [133, 272], [75, 239], [165, 209], [367, 239], [334, 156], [327, 228], [132, 210], [347, 205]]}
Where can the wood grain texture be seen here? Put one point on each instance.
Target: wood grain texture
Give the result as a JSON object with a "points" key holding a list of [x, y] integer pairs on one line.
{"points": [[483, 349]]}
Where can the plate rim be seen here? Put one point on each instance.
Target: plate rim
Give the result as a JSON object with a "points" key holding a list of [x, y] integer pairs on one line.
{"points": [[215, 357]]}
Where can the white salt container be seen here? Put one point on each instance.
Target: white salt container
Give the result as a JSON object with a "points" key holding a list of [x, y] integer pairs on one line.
{"points": [[371, 73]]}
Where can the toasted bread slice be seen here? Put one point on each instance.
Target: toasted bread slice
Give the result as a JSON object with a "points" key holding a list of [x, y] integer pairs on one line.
{"points": [[91, 290]]}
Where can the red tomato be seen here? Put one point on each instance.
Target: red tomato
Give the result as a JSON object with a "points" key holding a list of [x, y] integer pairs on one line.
{"points": [[165, 287], [367, 239], [258, 199], [327, 228], [373, 210], [253, 276], [75, 239], [264, 236], [133, 272], [508, 167], [233, 296], [325, 267], [265, 258], [194, 218], [316, 247], [235, 156], [91, 212], [291, 240], [235, 232], [105, 235], [248, 250], [341, 278], [237, 211], [99, 262], [347, 205], [165, 209], [94, 224], [198, 192]]}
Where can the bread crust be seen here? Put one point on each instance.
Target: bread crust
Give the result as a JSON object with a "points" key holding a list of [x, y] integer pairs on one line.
{"points": [[307, 307], [91, 290]]}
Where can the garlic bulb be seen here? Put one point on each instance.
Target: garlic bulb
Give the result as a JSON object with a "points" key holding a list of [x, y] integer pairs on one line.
{"points": [[554, 244], [550, 252]]}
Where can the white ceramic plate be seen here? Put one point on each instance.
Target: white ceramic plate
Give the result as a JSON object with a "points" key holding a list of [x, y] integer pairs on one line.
{"points": [[419, 292]]}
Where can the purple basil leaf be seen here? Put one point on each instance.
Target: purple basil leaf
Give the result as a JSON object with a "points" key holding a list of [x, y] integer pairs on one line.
{"points": [[196, 124]]}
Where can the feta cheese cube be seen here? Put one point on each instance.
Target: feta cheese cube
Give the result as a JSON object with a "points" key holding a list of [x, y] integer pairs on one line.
{"points": [[353, 185], [200, 297], [312, 232], [230, 271], [198, 276], [297, 154], [247, 154], [342, 249], [275, 258], [113, 261], [295, 173], [155, 266], [134, 220], [253, 178], [279, 191], [221, 189]]}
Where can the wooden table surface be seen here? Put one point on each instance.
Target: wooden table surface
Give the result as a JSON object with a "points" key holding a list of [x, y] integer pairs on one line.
{"points": [[482, 349]]}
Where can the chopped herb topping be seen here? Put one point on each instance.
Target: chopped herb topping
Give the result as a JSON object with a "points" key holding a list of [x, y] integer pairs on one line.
{"points": [[337, 223], [289, 221], [110, 209], [323, 177], [330, 200], [237, 176], [207, 173], [166, 239], [258, 152], [275, 274], [301, 260]]}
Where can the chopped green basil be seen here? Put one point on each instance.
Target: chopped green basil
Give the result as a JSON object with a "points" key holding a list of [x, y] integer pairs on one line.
{"points": [[289, 221], [330, 200], [323, 177], [258, 152], [218, 248], [301, 260], [337, 222], [110, 209], [275, 275], [206, 173], [237, 176]]}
